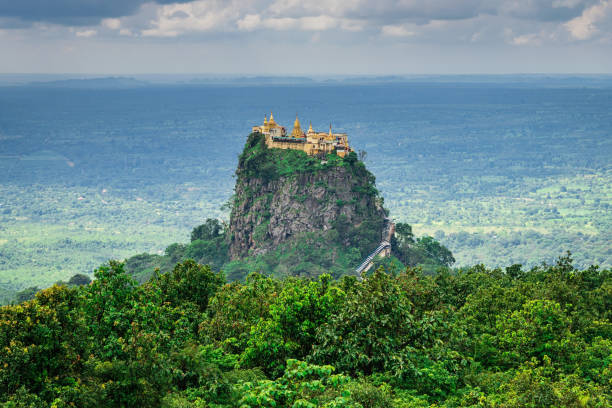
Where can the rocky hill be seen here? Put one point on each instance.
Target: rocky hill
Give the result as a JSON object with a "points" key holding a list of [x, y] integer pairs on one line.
{"points": [[298, 215], [281, 195]]}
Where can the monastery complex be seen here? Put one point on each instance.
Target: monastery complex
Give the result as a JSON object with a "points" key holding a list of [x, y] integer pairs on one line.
{"points": [[311, 142]]}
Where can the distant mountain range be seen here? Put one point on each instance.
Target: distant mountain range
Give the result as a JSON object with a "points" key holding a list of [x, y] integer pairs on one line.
{"points": [[141, 80], [93, 83]]}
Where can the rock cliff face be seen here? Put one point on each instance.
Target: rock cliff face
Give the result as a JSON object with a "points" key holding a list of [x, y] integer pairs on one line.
{"points": [[282, 194]]}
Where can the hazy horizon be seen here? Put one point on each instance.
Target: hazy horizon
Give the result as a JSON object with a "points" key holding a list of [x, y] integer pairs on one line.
{"points": [[310, 37]]}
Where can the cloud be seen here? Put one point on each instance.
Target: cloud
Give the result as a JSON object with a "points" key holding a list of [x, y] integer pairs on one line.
{"points": [[318, 23], [526, 39], [543, 10], [72, 12], [378, 12], [281, 24], [388, 12], [381, 11], [353, 21], [198, 16], [111, 23], [86, 33], [396, 31], [249, 22], [585, 26]]}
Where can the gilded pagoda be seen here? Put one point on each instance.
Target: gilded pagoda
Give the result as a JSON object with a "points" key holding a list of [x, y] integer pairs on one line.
{"points": [[311, 142]]}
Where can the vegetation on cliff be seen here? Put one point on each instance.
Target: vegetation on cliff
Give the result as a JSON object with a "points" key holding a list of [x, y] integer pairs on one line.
{"points": [[475, 338]]}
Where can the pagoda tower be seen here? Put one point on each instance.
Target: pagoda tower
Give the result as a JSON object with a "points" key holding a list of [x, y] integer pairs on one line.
{"points": [[297, 129]]}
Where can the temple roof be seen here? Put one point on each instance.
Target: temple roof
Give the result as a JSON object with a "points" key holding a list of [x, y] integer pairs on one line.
{"points": [[297, 129]]}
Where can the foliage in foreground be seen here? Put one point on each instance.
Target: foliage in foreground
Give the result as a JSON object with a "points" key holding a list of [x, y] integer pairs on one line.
{"points": [[475, 338]]}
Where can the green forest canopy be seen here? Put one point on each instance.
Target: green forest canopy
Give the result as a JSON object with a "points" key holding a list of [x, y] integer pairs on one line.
{"points": [[475, 338]]}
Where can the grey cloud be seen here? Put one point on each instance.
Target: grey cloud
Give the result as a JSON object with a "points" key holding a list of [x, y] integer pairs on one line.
{"points": [[71, 12], [391, 11], [545, 10], [179, 14]]}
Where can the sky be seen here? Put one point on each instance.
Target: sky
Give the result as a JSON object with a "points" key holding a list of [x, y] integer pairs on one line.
{"points": [[305, 37]]}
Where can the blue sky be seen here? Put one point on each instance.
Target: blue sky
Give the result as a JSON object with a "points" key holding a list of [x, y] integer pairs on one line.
{"points": [[306, 37]]}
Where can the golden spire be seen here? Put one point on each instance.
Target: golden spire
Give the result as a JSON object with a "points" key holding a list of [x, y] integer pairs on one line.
{"points": [[310, 128], [265, 120], [271, 118], [297, 130], [330, 132]]}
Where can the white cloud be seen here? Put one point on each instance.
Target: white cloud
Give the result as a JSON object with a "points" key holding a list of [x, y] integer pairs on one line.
{"points": [[86, 33], [249, 22], [397, 31], [318, 23], [311, 23], [198, 16], [526, 39], [112, 23], [584, 26], [280, 24], [352, 25]]}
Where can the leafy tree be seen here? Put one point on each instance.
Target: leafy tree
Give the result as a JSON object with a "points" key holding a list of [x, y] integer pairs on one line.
{"points": [[210, 230], [79, 279], [302, 385], [295, 315], [540, 328], [425, 251], [439, 253], [514, 271], [175, 253], [41, 342], [235, 309], [404, 233], [189, 282], [374, 324], [351, 158], [26, 294]]}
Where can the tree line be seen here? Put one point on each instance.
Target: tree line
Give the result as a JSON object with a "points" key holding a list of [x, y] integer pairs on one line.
{"points": [[474, 337]]}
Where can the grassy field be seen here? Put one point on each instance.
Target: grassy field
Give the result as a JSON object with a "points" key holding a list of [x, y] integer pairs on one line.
{"points": [[49, 233], [539, 220]]}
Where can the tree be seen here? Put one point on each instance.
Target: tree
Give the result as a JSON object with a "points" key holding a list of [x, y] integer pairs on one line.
{"points": [[374, 323], [404, 233], [295, 315], [539, 329], [362, 155], [236, 308], [210, 230], [26, 294], [514, 271], [351, 158], [189, 282], [41, 341], [436, 251], [302, 385], [79, 279]]}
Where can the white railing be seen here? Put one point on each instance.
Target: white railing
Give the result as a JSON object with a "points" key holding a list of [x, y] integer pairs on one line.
{"points": [[366, 263]]}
